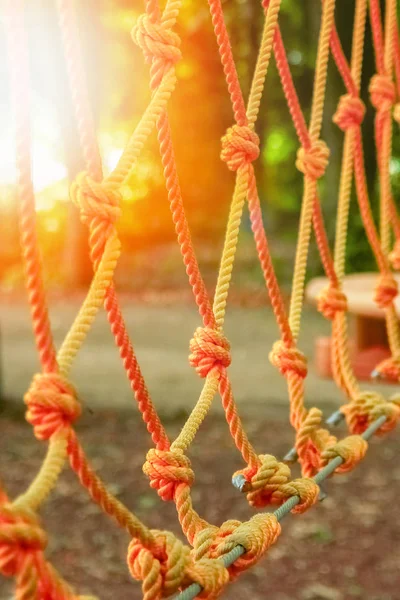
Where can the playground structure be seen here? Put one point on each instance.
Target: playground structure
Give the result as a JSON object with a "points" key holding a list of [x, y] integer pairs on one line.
{"points": [[215, 554], [370, 344]]}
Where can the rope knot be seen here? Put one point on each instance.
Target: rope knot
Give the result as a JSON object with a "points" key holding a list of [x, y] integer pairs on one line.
{"points": [[394, 256], [386, 290], [96, 200], [207, 541], [263, 483], [240, 146], [350, 112], [166, 470], [156, 40], [389, 369], [306, 489], [288, 360], [209, 350], [52, 405], [161, 566], [311, 440], [314, 160], [368, 407], [352, 450], [382, 91], [270, 484], [330, 301], [211, 575], [256, 536], [20, 536]]}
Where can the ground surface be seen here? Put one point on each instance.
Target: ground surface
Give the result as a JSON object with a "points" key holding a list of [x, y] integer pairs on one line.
{"points": [[347, 547], [161, 337]]}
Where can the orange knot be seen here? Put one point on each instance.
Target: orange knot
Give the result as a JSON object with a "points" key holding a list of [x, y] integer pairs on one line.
{"points": [[161, 567], [20, 538], [389, 369], [96, 200], [368, 407], [396, 112], [394, 256], [166, 565], [314, 160], [330, 301], [350, 112], [352, 450], [156, 40], [166, 470], [288, 360], [240, 146], [386, 290], [52, 404], [382, 91], [209, 350]]}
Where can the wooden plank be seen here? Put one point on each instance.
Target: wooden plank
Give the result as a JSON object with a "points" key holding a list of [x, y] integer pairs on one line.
{"points": [[359, 289]]}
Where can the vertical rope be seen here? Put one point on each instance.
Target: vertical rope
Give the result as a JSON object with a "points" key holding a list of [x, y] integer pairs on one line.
{"points": [[310, 185]]}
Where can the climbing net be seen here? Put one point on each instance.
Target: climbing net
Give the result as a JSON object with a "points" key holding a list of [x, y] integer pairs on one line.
{"points": [[214, 554]]}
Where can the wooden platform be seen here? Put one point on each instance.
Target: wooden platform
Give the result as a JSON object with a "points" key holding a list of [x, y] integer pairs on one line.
{"points": [[369, 344]]}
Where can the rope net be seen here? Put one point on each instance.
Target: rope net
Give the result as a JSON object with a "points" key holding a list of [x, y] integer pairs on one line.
{"points": [[214, 554]]}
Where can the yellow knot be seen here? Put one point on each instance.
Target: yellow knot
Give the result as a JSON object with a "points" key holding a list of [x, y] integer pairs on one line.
{"points": [[368, 407], [240, 146], [207, 541], [270, 484], [211, 575], [161, 567], [314, 160], [96, 200], [352, 450], [256, 536], [156, 40]]}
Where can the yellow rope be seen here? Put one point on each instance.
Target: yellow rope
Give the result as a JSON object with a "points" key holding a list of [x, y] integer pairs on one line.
{"points": [[91, 306], [310, 184], [232, 232], [47, 476]]}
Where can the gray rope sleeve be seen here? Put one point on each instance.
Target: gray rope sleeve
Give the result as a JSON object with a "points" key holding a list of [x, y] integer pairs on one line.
{"points": [[228, 559]]}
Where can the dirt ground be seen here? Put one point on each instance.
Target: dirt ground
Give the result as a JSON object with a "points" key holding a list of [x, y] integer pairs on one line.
{"points": [[161, 334], [346, 547]]}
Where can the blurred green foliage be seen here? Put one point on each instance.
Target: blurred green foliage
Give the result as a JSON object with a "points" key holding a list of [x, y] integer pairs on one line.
{"points": [[200, 112]]}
